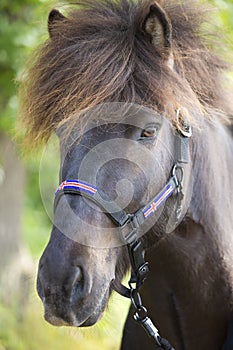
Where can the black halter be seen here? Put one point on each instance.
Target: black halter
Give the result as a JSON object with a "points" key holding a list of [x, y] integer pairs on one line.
{"points": [[130, 225]]}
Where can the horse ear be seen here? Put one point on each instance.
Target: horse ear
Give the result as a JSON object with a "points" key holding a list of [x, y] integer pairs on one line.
{"points": [[158, 26], [54, 17]]}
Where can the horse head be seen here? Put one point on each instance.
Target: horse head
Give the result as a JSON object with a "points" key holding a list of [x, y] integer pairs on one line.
{"points": [[128, 163], [124, 84]]}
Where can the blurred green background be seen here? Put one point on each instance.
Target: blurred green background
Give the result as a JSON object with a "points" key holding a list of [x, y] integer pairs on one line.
{"points": [[26, 192]]}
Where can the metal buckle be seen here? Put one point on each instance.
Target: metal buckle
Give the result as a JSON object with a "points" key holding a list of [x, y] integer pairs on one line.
{"points": [[185, 130], [129, 229], [182, 126]]}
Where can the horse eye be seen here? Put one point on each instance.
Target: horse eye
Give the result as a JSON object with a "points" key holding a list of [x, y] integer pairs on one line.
{"points": [[148, 132]]}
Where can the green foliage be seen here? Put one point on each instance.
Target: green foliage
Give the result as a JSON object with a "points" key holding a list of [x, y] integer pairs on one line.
{"points": [[225, 14], [43, 171], [20, 32], [14, 29]]}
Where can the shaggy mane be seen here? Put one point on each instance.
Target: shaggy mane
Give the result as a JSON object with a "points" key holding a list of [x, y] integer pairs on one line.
{"points": [[99, 53]]}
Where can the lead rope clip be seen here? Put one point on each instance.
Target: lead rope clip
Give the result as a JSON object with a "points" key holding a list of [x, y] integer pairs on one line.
{"points": [[141, 317]]}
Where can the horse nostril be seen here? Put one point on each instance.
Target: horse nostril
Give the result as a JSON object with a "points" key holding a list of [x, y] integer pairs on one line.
{"points": [[75, 282], [78, 276], [70, 285]]}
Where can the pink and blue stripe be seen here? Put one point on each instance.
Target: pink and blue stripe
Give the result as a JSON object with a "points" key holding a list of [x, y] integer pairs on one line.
{"points": [[77, 185], [160, 199]]}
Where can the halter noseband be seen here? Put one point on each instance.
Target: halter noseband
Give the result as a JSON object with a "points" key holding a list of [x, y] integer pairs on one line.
{"points": [[130, 224]]}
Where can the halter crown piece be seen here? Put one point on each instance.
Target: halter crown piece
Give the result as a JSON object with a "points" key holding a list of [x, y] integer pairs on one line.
{"points": [[129, 226]]}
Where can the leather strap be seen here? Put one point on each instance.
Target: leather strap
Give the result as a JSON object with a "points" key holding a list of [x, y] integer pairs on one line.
{"points": [[128, 223]]}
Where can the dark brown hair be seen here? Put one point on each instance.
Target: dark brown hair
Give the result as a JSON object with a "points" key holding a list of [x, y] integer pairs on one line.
{"points": [[101, 53]]}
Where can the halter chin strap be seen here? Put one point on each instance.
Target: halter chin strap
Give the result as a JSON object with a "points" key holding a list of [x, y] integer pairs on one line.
{"points": [[130, 225]]}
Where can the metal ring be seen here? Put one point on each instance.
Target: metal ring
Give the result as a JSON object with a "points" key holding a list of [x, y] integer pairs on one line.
{"points": [[179, 168], [140, 314], [136, 299]]}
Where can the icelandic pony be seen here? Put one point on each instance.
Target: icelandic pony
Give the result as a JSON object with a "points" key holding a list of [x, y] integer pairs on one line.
{"points": [[152, 54]]}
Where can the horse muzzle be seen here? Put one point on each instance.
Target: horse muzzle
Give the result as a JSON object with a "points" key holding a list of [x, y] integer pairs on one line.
{"points": [[72, 304], [74, 282]]}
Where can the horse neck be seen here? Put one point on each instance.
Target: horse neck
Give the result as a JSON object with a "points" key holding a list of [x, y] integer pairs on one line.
{"points": [[203, 242], [212, 166], [193, 263]]}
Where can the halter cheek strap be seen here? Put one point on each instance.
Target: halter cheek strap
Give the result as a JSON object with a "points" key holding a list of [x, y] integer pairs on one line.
{"points": [[130, 225]]}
